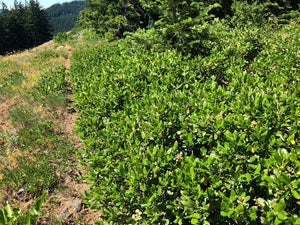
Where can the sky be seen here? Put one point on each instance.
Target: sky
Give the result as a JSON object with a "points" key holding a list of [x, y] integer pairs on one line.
{"points": [[44, 3]]}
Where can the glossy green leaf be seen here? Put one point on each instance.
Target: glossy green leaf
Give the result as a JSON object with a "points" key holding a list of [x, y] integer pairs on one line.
{"points": [[282, 217], [194, 221], [280, 206], [3, 219], [239, 208], [296, 194]]}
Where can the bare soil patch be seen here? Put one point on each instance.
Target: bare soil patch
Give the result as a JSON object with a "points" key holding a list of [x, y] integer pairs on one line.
{"points": [[5, 104]]}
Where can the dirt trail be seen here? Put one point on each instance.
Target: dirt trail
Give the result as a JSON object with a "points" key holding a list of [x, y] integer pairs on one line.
{"points": [[66, 203], [69, 205]]}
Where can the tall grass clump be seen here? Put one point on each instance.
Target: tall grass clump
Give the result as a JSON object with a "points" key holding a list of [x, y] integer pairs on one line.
{"points": [[51, 88]]}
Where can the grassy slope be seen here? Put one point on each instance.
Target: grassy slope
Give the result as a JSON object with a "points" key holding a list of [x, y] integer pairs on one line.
{"points": [[37, 139]]}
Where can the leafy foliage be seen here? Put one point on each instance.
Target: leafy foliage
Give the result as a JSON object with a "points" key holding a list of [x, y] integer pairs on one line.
{"points": [[9, 216], [260, 12], [203, 140], [185, 26], [114, 17], [60, 37], [182, 24], [51, 88], [52, 81]]}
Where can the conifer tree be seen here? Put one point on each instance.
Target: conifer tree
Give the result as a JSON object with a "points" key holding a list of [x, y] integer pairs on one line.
{"points": [[181, 24], [113, 16], [23, 26]]}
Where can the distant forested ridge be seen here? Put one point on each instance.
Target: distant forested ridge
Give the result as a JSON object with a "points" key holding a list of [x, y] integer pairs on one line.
{"points": [[23, 26], [64, 16]]}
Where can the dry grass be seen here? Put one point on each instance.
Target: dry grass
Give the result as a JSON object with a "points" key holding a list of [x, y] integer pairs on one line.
{"points": [[33, 62], [19, 73]]}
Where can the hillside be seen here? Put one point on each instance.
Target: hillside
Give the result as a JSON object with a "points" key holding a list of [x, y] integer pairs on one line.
{"points": [[157, 114], [64, 16], [38, 143]]}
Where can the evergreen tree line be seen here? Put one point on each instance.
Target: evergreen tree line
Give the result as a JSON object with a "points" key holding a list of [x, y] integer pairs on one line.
{"points": [[23, 26], [119, 16], [63, 17], [181, 24]]}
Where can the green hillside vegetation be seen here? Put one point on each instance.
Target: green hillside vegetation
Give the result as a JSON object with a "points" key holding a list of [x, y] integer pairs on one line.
{"points": [[188, 111], [193, 118], [63, 17], [35, 149]]}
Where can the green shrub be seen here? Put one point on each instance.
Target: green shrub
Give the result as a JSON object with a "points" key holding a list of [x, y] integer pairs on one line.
{"points": [[42, 56], [9, 83], [149, 39], [261, 12], [52, 81], [169, 141], [60, 37]]}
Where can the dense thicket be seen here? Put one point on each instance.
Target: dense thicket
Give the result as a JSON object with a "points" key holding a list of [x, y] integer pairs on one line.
{"points": [[64, 16], [288, 4], [23, 26], [119, 16], [208, 139], [179, 24]]}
